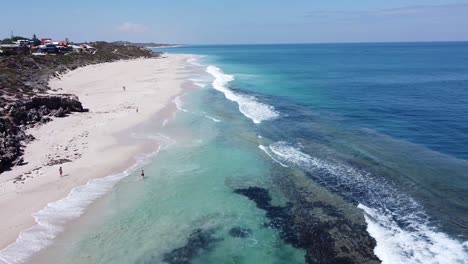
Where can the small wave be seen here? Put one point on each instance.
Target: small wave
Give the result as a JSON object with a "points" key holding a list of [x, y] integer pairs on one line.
{"points": [[397, 222], [199, 82], [51, 219], [178, 102], [271, 156], [194, 61], [248, 105], [212, 118], [162, 140]]}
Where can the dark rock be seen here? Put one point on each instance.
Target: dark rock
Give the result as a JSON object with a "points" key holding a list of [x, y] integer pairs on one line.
{"points": [[240, 232], [58, 161], [22, 114], [59, 112], [24, 101]]}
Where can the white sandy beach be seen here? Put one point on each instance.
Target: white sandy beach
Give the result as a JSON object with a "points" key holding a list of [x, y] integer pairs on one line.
{"points": [[88, 140]]}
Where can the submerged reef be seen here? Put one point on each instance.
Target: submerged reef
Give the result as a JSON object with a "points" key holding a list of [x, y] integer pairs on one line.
{"points": [[199, 241], [317, 227]]}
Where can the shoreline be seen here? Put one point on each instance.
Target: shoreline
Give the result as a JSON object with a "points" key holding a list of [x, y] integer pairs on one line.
{"points": [[88, 141]]}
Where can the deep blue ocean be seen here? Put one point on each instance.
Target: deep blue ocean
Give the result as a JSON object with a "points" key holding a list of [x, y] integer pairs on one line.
{"points": [[382, 125], [416, 92]]}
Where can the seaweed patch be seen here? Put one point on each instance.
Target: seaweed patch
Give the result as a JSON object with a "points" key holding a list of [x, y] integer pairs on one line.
{"points": [[331, 239], [198, 242]]}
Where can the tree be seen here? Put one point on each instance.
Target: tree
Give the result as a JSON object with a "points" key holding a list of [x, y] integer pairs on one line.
{"points": [[36, 41]]}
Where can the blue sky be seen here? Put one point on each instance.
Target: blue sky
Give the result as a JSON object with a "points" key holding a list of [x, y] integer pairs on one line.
{"points": [[239, 21]]}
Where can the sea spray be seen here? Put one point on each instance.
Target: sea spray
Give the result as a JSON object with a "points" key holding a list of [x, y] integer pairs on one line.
{"points": [[248, 105], [420, 245]]}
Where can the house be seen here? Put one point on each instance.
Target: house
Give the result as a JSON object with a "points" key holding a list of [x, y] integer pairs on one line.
{"points": [[77, 49], [88, 48], [23, 42], [52, 48], [14, 49], [45, 40]]}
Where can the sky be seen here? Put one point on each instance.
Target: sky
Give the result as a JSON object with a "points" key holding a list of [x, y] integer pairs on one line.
{"points": [[239, 21]]}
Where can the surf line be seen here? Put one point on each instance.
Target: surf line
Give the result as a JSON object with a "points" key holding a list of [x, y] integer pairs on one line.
{"points": [[49, 221], [178, 102]]}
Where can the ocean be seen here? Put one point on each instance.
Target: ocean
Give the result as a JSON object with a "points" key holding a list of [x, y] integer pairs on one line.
{"points": [[312, 153]]}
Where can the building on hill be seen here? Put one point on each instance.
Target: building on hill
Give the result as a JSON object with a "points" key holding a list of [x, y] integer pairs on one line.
{"points": [[14, 49], [45, 40]]}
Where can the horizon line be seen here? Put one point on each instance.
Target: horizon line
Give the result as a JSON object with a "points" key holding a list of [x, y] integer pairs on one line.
{"points": [[309, 43]]}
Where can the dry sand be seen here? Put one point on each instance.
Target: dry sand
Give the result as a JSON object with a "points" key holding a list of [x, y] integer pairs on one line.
{"points": [[88, 140]]}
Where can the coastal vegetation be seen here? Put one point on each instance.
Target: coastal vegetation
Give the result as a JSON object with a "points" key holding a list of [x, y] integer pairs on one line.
{"points": [[25, 100]]}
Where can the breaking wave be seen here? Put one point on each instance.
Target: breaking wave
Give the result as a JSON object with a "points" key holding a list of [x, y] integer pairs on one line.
{"points": [[397, 222], [248, 105]]}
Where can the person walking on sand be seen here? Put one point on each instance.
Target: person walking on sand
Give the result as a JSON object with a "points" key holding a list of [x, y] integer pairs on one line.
{"points": [[142, 174], [60, 171]]}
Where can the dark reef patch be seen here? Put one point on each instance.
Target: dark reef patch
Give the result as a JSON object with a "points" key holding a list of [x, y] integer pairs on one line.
{"points": [[318, 228], [198, 242], [240, 232]]}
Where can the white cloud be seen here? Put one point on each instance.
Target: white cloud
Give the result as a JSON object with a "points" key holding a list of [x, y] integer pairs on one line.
{"points": [[129, 27]]}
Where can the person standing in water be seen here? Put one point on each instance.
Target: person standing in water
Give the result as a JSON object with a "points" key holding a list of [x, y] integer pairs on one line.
{"points": [[142, 174]]}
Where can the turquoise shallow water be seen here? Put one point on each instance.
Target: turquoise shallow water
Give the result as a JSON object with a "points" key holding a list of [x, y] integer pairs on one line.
{"points": [[188, 189], [298, 154]]}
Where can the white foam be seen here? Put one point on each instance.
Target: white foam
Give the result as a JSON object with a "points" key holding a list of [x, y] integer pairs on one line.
{"points": [[421, 245], [194, 61], [386, 211], [212, 118], [51, 219], [271, 156], [178, 102], [248, 105], [199, 82]]}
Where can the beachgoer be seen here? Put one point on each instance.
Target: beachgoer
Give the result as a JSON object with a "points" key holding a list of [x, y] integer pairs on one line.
{"points": [[60, 171], [142, 174], [124, 88], [137, 109]]}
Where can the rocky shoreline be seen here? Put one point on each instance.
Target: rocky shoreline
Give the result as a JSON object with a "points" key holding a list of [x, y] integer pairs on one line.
{"points": [[25, 100]]}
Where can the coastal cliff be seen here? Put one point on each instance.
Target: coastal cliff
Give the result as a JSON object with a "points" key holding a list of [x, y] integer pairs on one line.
{"points": [[25, 100]]}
